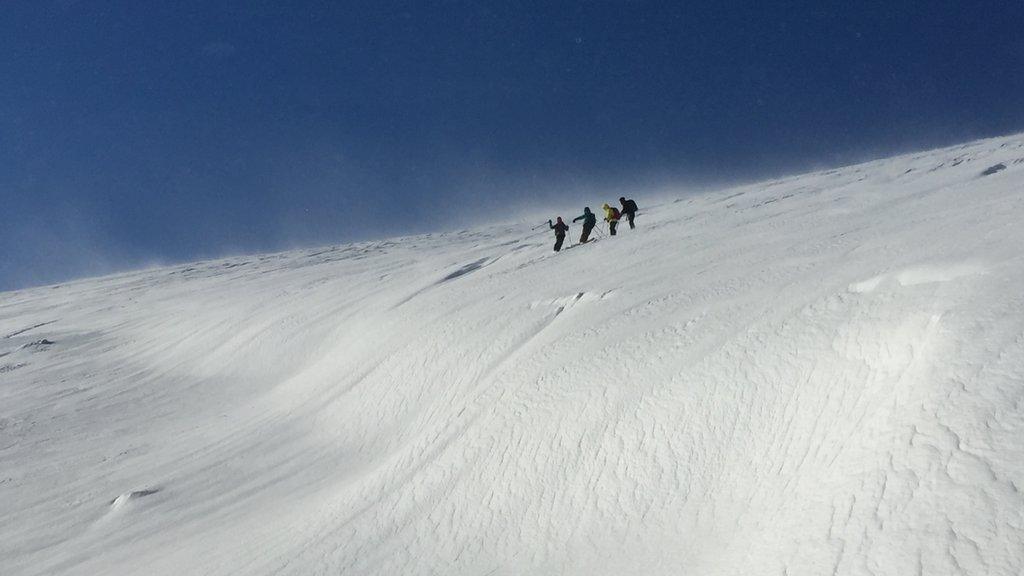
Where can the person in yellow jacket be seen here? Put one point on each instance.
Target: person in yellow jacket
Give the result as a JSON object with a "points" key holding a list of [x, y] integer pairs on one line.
{"points": [[611, 216]]}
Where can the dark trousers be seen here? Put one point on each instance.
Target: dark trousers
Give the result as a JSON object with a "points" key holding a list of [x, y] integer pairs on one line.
{"points": [[558, 242], [629, 216], [611, 227], [586, 233]]}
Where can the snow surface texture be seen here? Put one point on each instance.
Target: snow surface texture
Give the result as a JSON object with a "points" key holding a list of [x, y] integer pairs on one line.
{"points": [[821, 374]]}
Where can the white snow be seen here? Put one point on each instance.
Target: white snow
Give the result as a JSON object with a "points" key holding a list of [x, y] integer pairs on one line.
{"points": [[822, 374]]}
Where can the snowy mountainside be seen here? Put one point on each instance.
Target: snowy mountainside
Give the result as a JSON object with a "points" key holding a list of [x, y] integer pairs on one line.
{"points": [[818, 374]]}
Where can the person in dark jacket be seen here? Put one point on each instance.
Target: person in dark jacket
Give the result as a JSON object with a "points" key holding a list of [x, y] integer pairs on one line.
{"points": [[560, 229], [629, 210], [589, 221]]}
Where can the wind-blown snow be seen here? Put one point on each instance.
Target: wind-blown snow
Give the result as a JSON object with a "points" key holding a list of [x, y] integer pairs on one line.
{"points": [[820, 374]]}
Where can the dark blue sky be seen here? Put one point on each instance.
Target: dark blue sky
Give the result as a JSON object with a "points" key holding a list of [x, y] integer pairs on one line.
{"points": [[136, 132]]}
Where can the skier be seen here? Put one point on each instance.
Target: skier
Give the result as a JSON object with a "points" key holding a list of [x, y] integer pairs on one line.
{"points": [[560, 229], [611, 216], [589, 221], [628, 210]]}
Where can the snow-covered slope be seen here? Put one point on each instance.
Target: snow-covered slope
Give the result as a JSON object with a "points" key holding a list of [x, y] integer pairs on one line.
{"points": [[821, 374]]}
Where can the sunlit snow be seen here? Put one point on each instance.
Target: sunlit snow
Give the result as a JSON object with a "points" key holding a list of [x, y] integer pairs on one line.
{"points": [[814, 375]]}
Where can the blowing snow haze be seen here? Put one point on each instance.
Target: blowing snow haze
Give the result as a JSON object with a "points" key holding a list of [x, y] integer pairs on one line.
{"points": [[133, 133], [328, 329]]}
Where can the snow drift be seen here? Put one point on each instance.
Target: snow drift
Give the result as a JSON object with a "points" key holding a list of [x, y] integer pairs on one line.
{"points": [[819, 374]]}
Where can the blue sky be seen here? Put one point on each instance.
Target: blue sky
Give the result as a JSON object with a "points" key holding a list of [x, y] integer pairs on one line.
{"points": [[140, 132]]}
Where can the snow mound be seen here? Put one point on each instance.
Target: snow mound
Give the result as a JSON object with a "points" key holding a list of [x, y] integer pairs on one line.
{"points": [[821, 374]]}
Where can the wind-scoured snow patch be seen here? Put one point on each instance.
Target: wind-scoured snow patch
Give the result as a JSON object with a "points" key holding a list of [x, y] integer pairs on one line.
{"points": [[915, 275], [471, 267], [930, 274], [819, 374], [41, 344], [868, 285], [993, 169], [129, 497]]}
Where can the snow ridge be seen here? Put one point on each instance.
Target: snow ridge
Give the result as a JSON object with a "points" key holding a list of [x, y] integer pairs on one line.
{"points": [[815, 375]]}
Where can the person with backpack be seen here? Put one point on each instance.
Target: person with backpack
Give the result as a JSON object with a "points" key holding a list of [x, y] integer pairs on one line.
{"points": [[629, 210], [560, 229], [611, 216], [589, 221]]}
